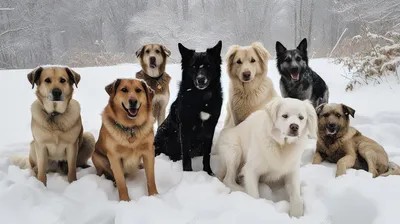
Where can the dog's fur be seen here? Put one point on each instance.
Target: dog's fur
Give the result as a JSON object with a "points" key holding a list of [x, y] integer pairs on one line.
{"points": [[126, 135], [267, 145], [188, 130], [153, 59], [340, 143], [298, 80], [56, 124], [251, 93]]}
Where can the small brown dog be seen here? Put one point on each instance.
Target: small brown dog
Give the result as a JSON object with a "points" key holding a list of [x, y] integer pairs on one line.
{"points": [[153, 59], [56, 124], [339, 143], [126, 135]]}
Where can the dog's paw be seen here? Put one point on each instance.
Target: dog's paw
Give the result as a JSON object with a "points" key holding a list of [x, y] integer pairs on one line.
{"points": [[187, 168], [296, 208], [340, 172]]}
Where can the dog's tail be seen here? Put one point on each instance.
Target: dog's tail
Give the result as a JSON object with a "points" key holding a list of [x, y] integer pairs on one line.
{"points": [[394, 169], [20, 161]]}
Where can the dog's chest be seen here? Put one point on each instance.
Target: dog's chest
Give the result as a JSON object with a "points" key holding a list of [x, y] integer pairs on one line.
{"points": [[281, 162]]}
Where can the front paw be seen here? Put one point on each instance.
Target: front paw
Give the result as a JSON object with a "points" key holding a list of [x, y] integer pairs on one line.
{"points": [[296, 208], [340, 172], [187, 168], [209, 171]]}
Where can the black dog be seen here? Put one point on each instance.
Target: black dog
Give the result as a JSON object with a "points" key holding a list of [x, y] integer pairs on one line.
{"points": [[188, 130], [298, 80]]}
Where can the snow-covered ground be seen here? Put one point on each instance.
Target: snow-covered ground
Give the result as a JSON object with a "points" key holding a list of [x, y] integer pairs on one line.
{"points": [[195, 197]]}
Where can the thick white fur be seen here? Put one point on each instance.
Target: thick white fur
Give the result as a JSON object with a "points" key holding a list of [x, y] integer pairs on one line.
{"points": [[260, 147]]}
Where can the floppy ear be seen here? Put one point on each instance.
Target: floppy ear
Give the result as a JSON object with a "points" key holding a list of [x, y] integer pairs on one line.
{"points": [[184, 51], [230, 55], [280, 49], [216, 50], [34, 76], [303, 45], [312, 121], [139, 52], [319, 109], [261, 51], [73, 76], [348, 110], [112, 87], [149, 92], [272, 108], [166, 50]]}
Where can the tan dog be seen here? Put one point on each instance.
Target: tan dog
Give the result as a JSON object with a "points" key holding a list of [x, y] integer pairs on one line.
{"points": [[339, 143], [250, 89], [56, 124], [153, 58], [126, 135]]}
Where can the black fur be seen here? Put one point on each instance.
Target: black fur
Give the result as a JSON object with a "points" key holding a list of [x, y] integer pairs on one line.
{"points": [[309, 84], [183, 134]]}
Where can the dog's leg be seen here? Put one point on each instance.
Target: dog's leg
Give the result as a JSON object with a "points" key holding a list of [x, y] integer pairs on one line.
{"points": [[85, 150], [370, 157], [72, 152], [282, 86], [251, 179], [317, 158], [148, 161], [119, 177], [345, 163], [42, 161], [161, 117], [207, 145], [292, 185], [232, 161], [185, 148]]}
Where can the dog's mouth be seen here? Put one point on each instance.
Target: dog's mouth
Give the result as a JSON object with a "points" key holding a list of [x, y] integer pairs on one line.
{"points": [[153, 65], [133, 110], [295, 76], [331, 131]]}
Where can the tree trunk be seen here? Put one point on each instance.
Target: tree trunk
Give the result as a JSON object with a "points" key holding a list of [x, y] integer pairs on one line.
{"points": [[185, 6], [295, 23], [310, 23]]}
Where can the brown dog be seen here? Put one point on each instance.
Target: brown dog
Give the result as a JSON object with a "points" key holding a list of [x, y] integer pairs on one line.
{"points": [[56, 124], [126, 135], [153, 59], [339, 143]]}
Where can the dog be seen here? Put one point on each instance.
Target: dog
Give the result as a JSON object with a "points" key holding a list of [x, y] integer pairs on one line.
{"points": [[268, 145], [153, 58], [298, 80], [59, 143], [126, 135], [250, 88], [340, 143], [188, 130]]}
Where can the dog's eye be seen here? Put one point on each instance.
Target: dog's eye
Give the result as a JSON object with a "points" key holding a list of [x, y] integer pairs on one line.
{"points": [[301, 117], [285, 116], [325, 115], [47, 80], [287, 59], [338, 115], [253, 60], [148, 51], [239, 62], [157, 51], [62, 80], [125, 90], [298, 58], [138, 90]]}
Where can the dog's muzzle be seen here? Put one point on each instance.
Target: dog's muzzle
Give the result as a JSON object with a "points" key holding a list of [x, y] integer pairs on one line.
{"points": [[133, 109], [246, 76], [153, 63], [56, 95], [331, 129], [293, 130], [201, 82]]}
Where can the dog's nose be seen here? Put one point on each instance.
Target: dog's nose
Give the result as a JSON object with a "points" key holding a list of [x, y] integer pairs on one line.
{"points": [[56, 92], [152, 60], [294, 70], [294, 127], [201, 79], [246, 75], [133, 102], [331, 125]]}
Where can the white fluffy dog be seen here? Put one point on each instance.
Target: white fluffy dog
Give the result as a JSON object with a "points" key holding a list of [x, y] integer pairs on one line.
{"points": [[269, 145]]}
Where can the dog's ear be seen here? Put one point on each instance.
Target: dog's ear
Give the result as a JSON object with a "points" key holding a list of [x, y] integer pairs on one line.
{"points": [[149, 92], [166, 50], [319, 109], [74, 77], [272, 108], [348, 110], [34, 76], [216, 50], [184, 51], [112, 87], [312, 120], [303, 45], [140, 51], [261, 51], [280, 49], [230, 55]]}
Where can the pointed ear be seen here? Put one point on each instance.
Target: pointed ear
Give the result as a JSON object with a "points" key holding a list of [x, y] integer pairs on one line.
{"points": [[348, 110], [216, 50], [303, 45], [230, 55], [319, 109], [184, 51], [139, 52], [280, 49], [112, 87], [166, 50], [261, 51], [149, 92], [312, 120], [74, 77], [34, 76]]}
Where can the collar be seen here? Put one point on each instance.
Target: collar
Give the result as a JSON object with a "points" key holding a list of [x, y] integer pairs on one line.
{"points": [[155, 78], [129, 130], [51, 116]]}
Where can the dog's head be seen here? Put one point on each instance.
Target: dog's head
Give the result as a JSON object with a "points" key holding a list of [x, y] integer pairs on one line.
{"points": [[130, 100], [292, 63], [202, 68], [245, 63], [334, 119], [54, 86], [292, 118], [153, 58]]}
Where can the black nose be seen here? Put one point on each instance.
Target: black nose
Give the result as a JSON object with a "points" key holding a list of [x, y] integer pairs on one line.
{"points": [[294, 70], [294, 127], [246, 75], [152, 60], [132, 103], [331, 125], [56, 92], [201, 79]]}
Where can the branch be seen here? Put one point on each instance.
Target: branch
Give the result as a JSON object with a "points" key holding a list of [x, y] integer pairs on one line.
{"points": [[13, 30]]}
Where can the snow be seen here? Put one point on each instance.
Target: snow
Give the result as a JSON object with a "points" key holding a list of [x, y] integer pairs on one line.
{"points": [[195, 197]]}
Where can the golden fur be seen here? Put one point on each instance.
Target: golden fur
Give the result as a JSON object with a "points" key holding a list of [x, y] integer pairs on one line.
{"points": [[118, 152], [247, 96]]}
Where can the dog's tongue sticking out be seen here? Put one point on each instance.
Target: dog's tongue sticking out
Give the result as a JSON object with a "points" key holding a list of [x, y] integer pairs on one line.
{"points": [[295, 76], [133, 111]]}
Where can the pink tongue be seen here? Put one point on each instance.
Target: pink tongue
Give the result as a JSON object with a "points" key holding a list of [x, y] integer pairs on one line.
{"points": [[295, 76], [132, 111]]}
